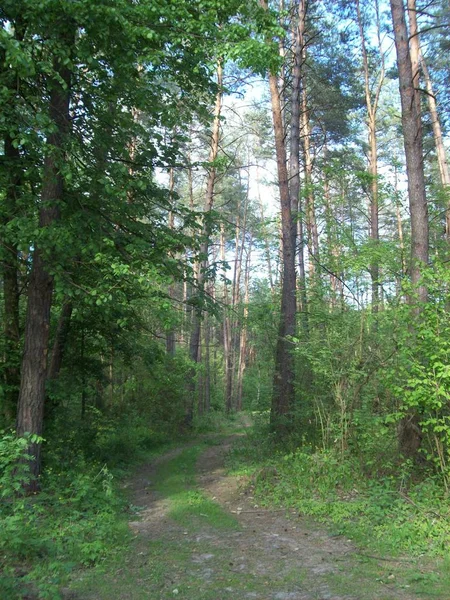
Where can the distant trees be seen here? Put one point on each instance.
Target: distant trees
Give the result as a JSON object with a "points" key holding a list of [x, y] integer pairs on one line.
{"points": [[167, 254], [94, 232]]}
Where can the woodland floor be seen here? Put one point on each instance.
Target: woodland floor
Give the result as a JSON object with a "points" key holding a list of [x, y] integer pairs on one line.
{"points": [[202, 537]]}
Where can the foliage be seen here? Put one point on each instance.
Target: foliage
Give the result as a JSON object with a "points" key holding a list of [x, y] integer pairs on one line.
{"points": [[383, 508], [420, 376], [43, 537]]}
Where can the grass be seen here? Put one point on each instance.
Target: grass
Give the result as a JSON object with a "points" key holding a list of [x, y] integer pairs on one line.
{"points": [[402, 523], [164, 565], [188, 506], [78, 520]]}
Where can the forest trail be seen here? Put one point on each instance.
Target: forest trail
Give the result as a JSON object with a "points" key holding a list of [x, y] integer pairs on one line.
{"points": [[200, 535]]}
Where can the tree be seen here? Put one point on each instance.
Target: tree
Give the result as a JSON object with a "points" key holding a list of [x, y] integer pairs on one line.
{"points": [[98, 130], [419, 63], [194, 343], [283, 386], [410, 434], [372, 104], [413, 142], [30, 410]]}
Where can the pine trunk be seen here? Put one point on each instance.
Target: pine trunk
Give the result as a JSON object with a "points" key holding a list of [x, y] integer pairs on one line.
{"points": [[409, 432], [243, 335], [413, 142], [204, 248], [283, 390], [417, 63]]}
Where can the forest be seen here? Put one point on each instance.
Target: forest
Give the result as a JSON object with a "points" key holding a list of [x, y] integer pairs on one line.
{"points": [[223, 218]]}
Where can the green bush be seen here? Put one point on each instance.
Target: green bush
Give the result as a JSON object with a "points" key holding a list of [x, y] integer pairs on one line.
{"points": [[73, 521]]}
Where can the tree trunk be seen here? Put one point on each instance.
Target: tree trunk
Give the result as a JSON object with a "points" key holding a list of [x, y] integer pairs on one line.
{"points": [[207, 360], [419, 62], [170, 333], [399, 223], [372, 101], [283, 389], [409, 431], [265, 233], [59, 343], [30, 415], [243, 336], [333, 245], [227, 342], [413, 142], [209, 201], [9, 251], [310, 211], [11, 286]]}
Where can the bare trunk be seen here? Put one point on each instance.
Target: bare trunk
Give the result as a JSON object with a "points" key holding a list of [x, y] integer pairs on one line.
{"points": [[227, 349], [310, 211], [439, 143], [372, 101], [409, 433], [170, 333], [265, 234], [303, 298], [30, 414], [243, 336], [432, 106], [413, 142], [209, 201], [283, 384], [283, 391], [207, 361], [236, 294], [337, 291], [399, 223]]}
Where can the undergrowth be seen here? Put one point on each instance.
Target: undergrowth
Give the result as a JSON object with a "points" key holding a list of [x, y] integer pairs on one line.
{"points": [[387, 510], [79, 518], [76, 521]]}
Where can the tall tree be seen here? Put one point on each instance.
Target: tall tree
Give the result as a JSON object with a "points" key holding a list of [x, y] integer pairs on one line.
{"points": [[413, 143], [30, 413], [409, 432], [13, 171], [283, 386], [372, 98], [194, 342], [418, 63]]}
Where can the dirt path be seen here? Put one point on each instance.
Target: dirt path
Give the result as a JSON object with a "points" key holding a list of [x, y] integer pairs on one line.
{"points": [[240, 552]]}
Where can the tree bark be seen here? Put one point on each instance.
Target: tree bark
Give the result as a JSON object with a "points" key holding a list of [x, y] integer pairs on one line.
{"points": [[30, 415], [243, 335], [409, 431], [11, 286], [283, 385], [418, 63], [209, 202], [413, 143]]}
